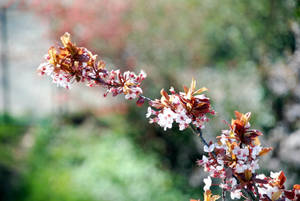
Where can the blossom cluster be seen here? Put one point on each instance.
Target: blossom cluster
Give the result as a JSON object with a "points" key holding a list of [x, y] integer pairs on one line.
{"points": [[234, 159], [70, 63], [272, 188], [183, 108]]}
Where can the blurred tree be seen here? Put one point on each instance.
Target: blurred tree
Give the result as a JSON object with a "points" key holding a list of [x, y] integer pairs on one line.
{"points": [[4, 62], [98, 25], [193, 33], [105, 165]]}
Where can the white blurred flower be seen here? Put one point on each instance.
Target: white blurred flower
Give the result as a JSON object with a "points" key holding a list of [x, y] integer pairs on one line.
{"points": [[210, 148], [166, 118], [183, 120], [236, 194], [241, 154], [275, 175], [255, 151], [254, 166], [240, 168], [149, 112], [207, 182]]}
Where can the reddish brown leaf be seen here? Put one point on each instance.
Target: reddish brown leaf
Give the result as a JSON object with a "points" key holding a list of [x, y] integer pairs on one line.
{"points": [[297, 186], [140, 101], [281, 178], [164, 94], [264, 151], [289, 194]]}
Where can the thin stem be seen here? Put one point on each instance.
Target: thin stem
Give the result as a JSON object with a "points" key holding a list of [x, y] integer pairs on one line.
{"points": [[146, 98], [110, 85], [198, 132], [256, 191], [201, 136], [101, 81], [245, 192], [223, 194], [252, 196]]}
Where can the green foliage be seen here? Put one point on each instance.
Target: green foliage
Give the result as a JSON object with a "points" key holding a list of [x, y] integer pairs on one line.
{"points": [[88, 163], [223, 45], [179, 34], [11, 129]]}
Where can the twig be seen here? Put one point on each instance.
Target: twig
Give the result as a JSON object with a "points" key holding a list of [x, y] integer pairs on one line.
{"points": [[198, 132], [245, 192], [101, 81], [223, 194], [146, 98], [201, 136], [256, 191]]}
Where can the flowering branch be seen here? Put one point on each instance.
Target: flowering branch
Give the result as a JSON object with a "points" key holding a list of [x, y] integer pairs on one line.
{"points": [[208, 148], [233, 158], [71, 63]]}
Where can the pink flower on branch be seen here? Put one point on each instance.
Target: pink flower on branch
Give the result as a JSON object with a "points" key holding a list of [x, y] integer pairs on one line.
{"points": [[184, 108], [234, 159], [69, 64]]}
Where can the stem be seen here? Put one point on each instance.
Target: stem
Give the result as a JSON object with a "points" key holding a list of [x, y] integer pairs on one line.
{"points": [[247, 194], [201, 136], [223, 194], [101, 81], [146, 98], [256, 191], [198, 132], [250, 194]]}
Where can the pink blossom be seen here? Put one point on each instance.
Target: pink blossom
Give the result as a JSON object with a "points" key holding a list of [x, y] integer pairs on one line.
{"points": [[236, 194], [209, 148], [166, 118]]}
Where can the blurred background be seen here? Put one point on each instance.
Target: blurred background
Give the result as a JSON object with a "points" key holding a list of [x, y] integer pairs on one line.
{"points": [[75, 145]]}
